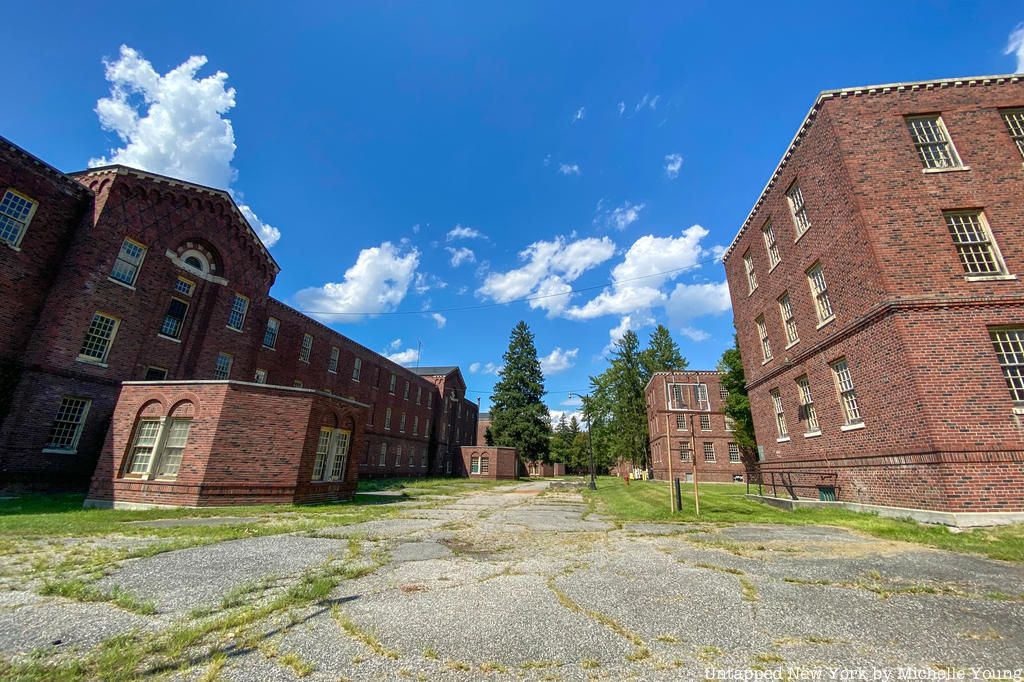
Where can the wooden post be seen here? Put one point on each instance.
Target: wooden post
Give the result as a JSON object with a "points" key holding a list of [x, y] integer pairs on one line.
{"points": [[693, 457], [671, 492]]}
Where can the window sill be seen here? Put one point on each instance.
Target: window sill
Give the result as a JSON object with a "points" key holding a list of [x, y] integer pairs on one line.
{"points": [[989, 278], [791, 344], [751, 292], [265, 347], [812, 434], [801, 235], [12, 247], [234, 329], [355, 380], [332, 371], [951, 169], [852, 427], [90, 361], [766, 361], [782, 440], [305, 362], [119, 283], [59, 451], [825, 323], [169, 338], [773, 267]]}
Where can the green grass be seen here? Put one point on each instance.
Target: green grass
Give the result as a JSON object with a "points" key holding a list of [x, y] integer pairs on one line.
{"points": [[725, 503]]}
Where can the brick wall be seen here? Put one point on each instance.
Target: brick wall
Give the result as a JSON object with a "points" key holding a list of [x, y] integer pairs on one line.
{"points": [[501, 463]]}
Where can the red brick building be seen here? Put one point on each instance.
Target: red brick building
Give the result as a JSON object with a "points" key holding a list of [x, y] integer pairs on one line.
{"points": [[493, 463], [116, 274], [689, 429], [878, 302]]}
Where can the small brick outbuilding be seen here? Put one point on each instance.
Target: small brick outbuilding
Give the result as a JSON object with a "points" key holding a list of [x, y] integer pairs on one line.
{"points": [[489, 462], [212, 443]]}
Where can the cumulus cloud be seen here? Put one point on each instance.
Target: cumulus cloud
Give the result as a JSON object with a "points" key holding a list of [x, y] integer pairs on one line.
{"points": [[463, 232], [1015, 46], [673, 162], [460, 255], [569, 169], [558, 360], [174, 124], [619, 217], [695, 334], [556, 416], [439, 319], [548, 264], [490, 368], [474, 367], [376, 283], [409, 356], [688, 301]]}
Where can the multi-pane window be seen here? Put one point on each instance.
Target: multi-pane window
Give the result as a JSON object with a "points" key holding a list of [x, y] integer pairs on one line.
{"points": [[780, 415], [770, 245], [155, 374], [239, 306], [723, 393], [676, 399], [67, 425], [387, 418], [709, 452], [798, 209], [332, 364], [748, 264], [788, 319], [145, 445], [184, 286], [734, 453], [357, 369], [474, 465], [16, 213], [700, 396], [323, 449], [705, 422], [730, 423], [680, 422], [974, 243], [685, 455], [398, 455], [174, 318], [430, 399], [485, 464], [847, 395], [222, 367], [762, 332], [405, 393], [931, 139], [419, 394], [807, 411], [819, 291], [307, 347], [169, 459], [270, 335], [1009, 346], [339, 453], [391, 386], [98, 338], [159, 444], [416, 425], [382, 458], [1015, 123], [128, 262], [261, 376], [401, 423]]}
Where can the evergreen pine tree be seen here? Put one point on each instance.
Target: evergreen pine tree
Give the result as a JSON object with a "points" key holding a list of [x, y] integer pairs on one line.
{"points": [[661, 355], [519, 417], [629, 409]]}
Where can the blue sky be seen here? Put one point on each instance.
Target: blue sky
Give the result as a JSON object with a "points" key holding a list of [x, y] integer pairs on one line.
{"points": [[431, 156]]}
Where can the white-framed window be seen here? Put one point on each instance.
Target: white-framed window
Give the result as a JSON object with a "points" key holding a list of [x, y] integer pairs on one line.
{"points": [[382, 458], [932, 141], [474, 465], [819, 291], [423, 458], [297, 383], [788, 319], [16, 211], [798, 209], [430, 399], [748, 264], [680, 422], [734, 453], [172, 448], [416, 425], [323, 449], [222, 367], [270, 334], [723, 393], [847, 394], [762, 333], [387, 419], [307, 347], [337, 450], [98, 338], [685, 454], [239, 306], [676, 396], [174, 318], [419, 394], [780, 415], [709, 452], [261, 376], [144, 447], [391, 385], [401, 423], [398, 455], [357, 369], [128, 262], [1009, 347], [332, 363], [158, 447], [807, 411], [974, 243], [66, 429], [770, 245], [183, 286], [405, 392], [485, 465], [730, 423], [196, 260], [1014, 119], [705, 422], [700, 396]]}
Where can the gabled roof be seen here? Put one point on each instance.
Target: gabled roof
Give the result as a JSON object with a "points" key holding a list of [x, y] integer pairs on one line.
{"points": [[66, 183], [884, 89]]}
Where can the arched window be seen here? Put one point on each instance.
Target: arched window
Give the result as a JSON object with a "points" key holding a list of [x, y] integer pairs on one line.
{"points": [[331, 454], [196, 260], [159, 442]]}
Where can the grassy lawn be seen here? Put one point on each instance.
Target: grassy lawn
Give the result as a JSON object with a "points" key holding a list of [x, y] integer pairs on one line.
{"points": [[725, 503]]}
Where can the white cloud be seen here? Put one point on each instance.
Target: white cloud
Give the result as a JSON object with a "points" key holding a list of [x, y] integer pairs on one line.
{"points": [[422, 283], [439, 319], [416, 228], [463, 232], [395, 345], [569, 169], [558, 360], [673, 162], [619, 217], [688, 301], [174, 124], [409, 356], [580, 113], [572, 401], [622, 108], [628, 322], [460, 255], [695, 334], [491, 368], [1015, 46], [647, 102], [556, 416], [377, 283], [554, 291], [474, 367]]}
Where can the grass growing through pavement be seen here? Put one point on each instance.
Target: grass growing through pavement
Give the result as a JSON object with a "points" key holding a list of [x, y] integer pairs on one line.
{"points": [[725, 503]]}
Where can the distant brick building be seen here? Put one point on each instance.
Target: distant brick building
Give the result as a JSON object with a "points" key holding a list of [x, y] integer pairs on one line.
{"points": [[687, 424], [878, 302], [116, 274]]}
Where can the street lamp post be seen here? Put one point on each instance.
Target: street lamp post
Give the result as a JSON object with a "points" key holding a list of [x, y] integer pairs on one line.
{"points": [[590, 441]]}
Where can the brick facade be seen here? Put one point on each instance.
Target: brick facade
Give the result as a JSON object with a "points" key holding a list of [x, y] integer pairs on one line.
{"points": [[489, 462], [200, 252], [687, 425], [936, 426]]}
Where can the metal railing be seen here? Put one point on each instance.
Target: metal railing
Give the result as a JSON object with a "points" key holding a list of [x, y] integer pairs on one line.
{"points": [[796, 483]]}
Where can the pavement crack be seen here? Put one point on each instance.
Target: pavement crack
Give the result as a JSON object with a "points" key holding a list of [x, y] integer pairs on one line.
{"points": [[640, 649]]}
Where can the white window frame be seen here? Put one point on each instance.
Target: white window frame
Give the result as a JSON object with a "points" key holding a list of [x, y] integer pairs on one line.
{"points": [[766, 344], [236, 315], [357, 369], [218, 370], [160, 450], [474, 466], [419, 395], [926, 146], [771, 245], [392, 384], [382, 458], [306, 350], [803, 384], [18, 218], [184, 286], [798, 209], [705, 422], [734, 454], [332, 451], [131, 265], [1008, 344], [332, 363], [416, 425], [398, 455], [730, 423], [681, 422], [819, 293], [82, 406], [405, 392], [709, 453], [1014, 120], [261, 376], [99, 336], [271, 332], [788, 320], [975, 224], [401, 423], [780, 415], [847, 393], [748, 265], [387, 419]]}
